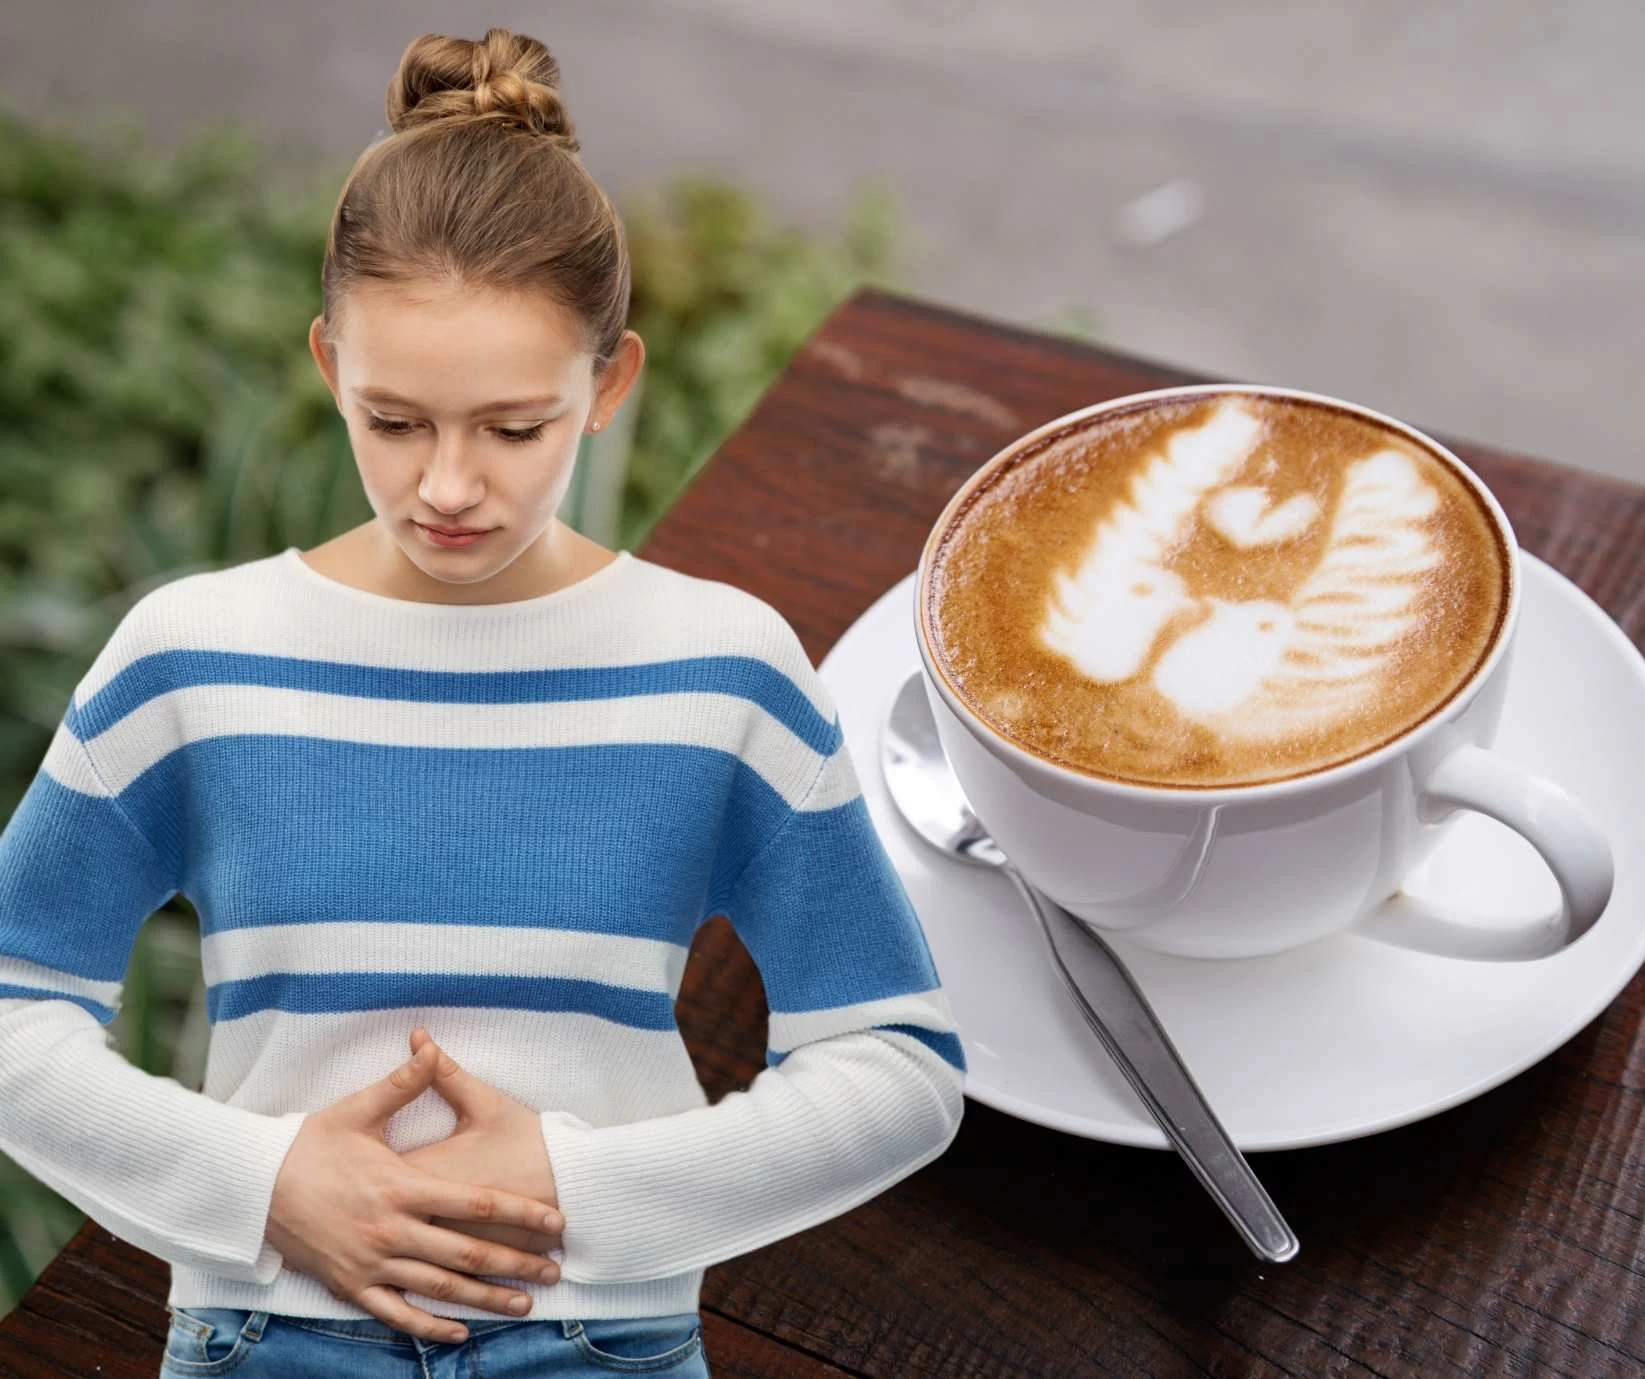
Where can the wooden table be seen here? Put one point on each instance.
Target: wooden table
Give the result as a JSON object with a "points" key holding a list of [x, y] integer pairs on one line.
{"points": [[1500, 1238]]}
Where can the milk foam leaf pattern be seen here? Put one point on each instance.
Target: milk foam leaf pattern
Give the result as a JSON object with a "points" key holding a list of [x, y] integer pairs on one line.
{"points": [[1289, 667], [1106, 616]]}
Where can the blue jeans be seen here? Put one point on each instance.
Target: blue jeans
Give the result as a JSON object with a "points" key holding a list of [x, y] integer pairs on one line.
{"points": [[223, 1340]]}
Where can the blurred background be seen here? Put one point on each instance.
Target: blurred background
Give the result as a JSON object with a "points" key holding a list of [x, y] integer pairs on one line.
{"points": [[1435, 210]]}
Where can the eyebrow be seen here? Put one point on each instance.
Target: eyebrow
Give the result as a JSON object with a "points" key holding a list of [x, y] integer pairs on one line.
{"points": [[383, 395]]}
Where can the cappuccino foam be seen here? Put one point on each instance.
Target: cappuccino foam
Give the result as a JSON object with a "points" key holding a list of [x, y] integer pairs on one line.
{"points": [[1218, 590]]}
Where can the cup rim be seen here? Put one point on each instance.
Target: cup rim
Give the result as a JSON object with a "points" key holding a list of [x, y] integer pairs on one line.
{"points": [[1437, 717]]}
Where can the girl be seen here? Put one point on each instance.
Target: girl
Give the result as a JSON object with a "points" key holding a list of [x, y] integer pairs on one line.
{"points": [[461, 772]]}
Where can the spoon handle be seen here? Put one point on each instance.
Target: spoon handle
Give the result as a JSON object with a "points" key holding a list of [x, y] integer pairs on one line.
{"points": [[1132, 1033]]}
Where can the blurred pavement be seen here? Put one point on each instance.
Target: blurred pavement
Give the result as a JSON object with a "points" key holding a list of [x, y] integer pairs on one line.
{"points": [[1437, 211]]}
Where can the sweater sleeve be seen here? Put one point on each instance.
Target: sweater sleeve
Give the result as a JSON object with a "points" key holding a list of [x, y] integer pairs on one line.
{"points": [[171, 1170], [865, 1074]]}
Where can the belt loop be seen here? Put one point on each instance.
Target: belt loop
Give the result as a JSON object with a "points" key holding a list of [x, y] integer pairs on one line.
{"points": [[254, 1325]]}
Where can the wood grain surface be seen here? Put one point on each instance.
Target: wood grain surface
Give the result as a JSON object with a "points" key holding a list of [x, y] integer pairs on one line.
{"points": [[1500, 1238]]}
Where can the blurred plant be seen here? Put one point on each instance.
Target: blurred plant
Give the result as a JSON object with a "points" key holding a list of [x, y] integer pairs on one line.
{"points": [[724, 300]]}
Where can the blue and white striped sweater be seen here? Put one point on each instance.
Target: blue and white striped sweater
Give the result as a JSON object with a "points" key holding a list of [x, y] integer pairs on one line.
{"points": [[504, 822]]}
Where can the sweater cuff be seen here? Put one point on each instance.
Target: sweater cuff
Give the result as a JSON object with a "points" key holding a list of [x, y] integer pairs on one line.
{"points": [[569, 1141], [824, 1132], [245, 1219]]}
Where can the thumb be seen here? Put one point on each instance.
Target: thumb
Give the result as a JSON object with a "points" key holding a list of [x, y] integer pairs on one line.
{"points": [[405, 1084], [455, 1083]]}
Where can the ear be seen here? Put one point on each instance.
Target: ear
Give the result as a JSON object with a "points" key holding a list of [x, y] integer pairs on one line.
{"points": [[619, 377], [322, 357]]}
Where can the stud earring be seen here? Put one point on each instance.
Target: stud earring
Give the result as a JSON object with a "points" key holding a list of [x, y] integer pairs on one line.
{"points": [[596, 426]]}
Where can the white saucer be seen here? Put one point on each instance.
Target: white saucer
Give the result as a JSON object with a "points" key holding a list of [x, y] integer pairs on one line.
{"points": [[1337, 1039]]}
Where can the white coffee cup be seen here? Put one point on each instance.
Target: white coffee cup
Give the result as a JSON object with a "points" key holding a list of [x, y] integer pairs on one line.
{"points": [[1243, 870]]}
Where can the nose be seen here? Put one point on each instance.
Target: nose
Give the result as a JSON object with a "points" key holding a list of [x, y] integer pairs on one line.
{"points": [[451, 483]]}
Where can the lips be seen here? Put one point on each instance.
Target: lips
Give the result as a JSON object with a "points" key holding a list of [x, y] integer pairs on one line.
{"points": [[454, 531]]}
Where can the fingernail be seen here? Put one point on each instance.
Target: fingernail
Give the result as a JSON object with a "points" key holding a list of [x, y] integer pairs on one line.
{"points": [[552, 1221]]}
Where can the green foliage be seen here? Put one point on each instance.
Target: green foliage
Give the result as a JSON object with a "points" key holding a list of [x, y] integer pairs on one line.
{"points": [[158, 408], [722, 301]]}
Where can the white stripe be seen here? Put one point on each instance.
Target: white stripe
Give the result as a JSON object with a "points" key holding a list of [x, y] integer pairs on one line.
{"points": [[838, 784], [474, 949], [653, 613], [928, 1009], [545, 1059], [724, 722], [21, 972], [65, 762]]}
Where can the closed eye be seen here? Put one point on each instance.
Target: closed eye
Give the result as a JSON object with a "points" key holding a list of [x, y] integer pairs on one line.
{"points": [[404, 428]]}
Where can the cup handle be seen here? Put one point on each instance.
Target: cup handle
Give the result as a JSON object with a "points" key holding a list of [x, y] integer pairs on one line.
{"points": [[1559, 828]]}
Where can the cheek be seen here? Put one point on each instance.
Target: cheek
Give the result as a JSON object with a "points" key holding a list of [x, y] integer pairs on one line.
{"points": [[550, 473], [382, 471]]}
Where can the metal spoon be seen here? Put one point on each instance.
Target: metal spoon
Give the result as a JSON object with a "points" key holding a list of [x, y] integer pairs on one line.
{"points": [[923, 786]]}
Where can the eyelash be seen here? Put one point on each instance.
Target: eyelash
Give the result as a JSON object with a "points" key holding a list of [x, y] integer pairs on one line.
{"points": [[403, 428]]}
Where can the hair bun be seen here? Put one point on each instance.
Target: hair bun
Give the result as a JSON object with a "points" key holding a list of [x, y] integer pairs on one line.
{"points": [[506, 78]]}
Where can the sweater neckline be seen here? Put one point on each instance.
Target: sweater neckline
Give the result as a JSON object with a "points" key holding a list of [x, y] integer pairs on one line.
{"points": [[466, 612]]}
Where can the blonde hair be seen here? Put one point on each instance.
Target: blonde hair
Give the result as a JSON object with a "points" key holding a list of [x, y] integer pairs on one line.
{"points": [[480, 183]]}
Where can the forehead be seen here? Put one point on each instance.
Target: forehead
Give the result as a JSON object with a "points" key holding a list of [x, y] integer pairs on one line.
{"points": [[426, 339]]}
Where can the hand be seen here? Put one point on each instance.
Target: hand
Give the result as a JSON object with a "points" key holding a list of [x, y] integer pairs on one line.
{"points": [[354, 1214], [498, 1143]]}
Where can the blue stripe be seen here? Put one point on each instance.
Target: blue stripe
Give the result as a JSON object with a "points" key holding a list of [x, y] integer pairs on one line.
{"points": [[946, 1045], [332, 993], [642, 839], [826, 918], [745, 677], [76, 883], [105, 1014], [633, 839]]}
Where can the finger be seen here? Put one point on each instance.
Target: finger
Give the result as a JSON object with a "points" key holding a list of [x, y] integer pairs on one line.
{"points": [[386, 1304], [456, 1084], [420, 1276], [468, 1254], [428, 1194], [532, 1242], [405, 1084]]}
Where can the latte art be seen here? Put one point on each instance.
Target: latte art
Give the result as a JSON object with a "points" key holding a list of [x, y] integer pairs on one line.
{"points": [[1265, 669], [1216, 591], [1106, 617], [1249, 668], [1243, 515]]}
